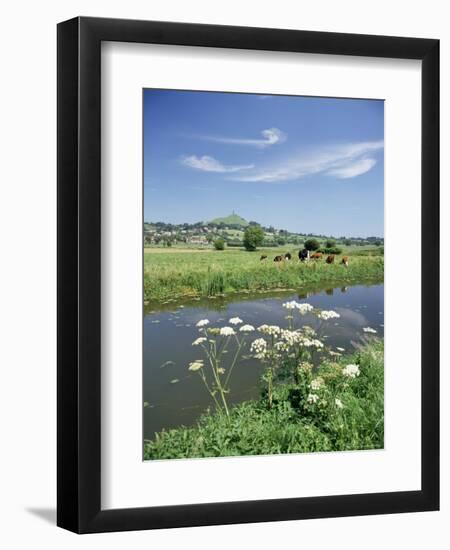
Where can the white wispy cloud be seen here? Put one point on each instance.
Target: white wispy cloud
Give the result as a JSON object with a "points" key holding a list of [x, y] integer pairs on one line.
{"points": [[270, 136], [210, 164], [353, 169], [341, 161]]}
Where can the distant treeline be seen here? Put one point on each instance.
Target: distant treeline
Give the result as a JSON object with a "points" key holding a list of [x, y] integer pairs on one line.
{"points": [[162, 231]]}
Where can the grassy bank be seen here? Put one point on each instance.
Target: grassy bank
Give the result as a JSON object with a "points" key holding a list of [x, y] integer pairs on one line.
{"points": [[176, 274], [348, 414]]}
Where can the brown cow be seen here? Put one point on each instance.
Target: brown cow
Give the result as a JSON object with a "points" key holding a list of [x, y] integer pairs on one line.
{"points": [[263, 257], [316, 256], [278, 258], [330, 259], [345, 260]]}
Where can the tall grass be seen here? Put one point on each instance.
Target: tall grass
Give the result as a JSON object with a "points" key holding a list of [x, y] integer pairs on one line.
{"points": [[184, 274]]}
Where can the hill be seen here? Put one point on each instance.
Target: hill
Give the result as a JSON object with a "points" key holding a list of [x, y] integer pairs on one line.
{"points": [[232, 219]]}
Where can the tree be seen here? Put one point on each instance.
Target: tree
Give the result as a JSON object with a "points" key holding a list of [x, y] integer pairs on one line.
{"points": [[312, 244], [219, 244], [330, 243], [253, 237], [348, 242]]}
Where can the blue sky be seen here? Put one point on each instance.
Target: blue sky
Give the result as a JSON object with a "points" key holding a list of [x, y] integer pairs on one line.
{"points": [[309, 165]]}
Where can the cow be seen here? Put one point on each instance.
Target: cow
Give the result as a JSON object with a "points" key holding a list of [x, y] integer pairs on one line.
{"points": [[330, 259], [288, 256], [278, 259], [316, 256], [263, 257], [345, 261], [303, 255]]}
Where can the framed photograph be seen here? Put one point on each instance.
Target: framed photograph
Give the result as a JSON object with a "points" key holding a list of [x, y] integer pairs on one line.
{"points": [[248, 275]]}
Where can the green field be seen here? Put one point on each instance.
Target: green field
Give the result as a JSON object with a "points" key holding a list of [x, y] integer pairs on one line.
{"points": [[291, 424], [176, 273]]}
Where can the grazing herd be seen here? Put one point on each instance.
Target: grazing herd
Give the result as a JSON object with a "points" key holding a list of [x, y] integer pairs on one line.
{"points": [[305, 256]]}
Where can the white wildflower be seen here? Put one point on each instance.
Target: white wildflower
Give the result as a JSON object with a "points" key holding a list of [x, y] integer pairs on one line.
{"points": [[339, 403], [303, 309], [290, 305], [235, 321], [247, 328], [312, 398], [308, 331], [326, 315], [271, 330], [281, 346], [259, 348], [312, 343], [291, 337], [340, 349], [370, 330], [199, 341], [316, 384], [202, 323], [352, 371], [227, 331], [196, 365]]}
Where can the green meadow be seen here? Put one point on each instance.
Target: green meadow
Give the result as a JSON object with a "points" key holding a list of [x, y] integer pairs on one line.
{"points": [[177, 273]]}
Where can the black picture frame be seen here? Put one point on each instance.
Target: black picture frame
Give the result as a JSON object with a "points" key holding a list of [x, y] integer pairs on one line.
{"points": [[79, 280]]}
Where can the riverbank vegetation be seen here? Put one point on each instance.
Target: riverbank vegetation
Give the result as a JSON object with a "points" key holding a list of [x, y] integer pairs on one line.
{"points": [[174, 274], [313, 398]]}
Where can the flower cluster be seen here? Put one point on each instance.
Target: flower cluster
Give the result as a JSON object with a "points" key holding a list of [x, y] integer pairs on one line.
{"points": [[291, 337], [303, 309], [247, 328], [352, 371], [305, 366], [196, 365], [270, 330], [227, 331], [290, 305], [312, 398], [308, 331], [235, 321], [259, 348], [199, 341], [312, 343], [316, 384], [326, 315], [202, 323]]}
